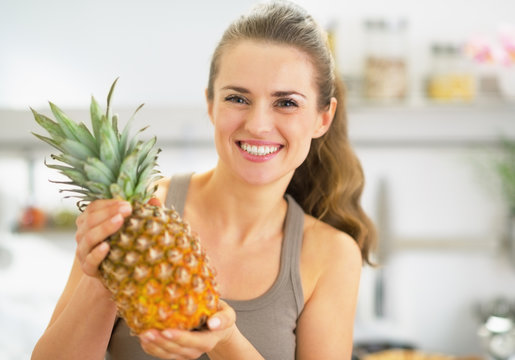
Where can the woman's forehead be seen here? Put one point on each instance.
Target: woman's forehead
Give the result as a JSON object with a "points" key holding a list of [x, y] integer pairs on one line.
{"points": [[265, 64]]}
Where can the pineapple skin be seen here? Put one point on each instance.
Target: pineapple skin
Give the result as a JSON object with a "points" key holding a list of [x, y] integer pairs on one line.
{"points": [[158, 272]]}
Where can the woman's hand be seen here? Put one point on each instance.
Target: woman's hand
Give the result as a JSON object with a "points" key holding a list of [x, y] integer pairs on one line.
{"points": [[101, 219], [186, 345]]}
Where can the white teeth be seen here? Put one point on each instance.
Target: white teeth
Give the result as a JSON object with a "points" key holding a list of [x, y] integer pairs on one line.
{"points": [[258, 150]]}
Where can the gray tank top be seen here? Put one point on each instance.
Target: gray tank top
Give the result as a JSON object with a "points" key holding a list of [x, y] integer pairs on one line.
{"points": [[268, 321]]}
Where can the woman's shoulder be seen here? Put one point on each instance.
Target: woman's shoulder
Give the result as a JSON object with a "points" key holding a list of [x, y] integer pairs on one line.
{"points": [[329, 241], [326, 252]]}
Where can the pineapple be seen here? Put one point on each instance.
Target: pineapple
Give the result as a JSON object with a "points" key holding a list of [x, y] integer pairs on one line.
{"points": [[156, 269]]}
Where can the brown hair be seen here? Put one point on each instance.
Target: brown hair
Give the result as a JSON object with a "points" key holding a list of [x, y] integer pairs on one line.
{"points": [[329, 183]]}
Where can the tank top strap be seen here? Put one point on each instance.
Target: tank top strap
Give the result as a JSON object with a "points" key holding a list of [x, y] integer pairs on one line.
{"points": [[292, 243], [177, 192]]}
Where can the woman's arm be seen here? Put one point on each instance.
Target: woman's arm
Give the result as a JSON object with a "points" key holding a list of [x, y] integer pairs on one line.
{"points": [[82, 321], [83, 318], [236, 347], [325, 327]]}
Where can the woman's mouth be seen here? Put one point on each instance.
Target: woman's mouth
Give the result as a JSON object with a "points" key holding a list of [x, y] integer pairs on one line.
{"points": [[258, 150]]}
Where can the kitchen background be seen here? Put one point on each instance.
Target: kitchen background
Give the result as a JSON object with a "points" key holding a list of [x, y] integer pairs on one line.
{"points": [[426, 115]]}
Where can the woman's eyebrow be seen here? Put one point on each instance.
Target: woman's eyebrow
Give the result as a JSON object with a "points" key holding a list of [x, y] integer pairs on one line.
{"points": [[279, 93], [287, 93], [237, 89]]}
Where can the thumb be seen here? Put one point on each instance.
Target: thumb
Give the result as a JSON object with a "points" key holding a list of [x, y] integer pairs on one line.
{"points": [[223, 319]]}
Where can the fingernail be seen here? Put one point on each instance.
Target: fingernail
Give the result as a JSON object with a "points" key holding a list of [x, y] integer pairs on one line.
{"points": [[168, 334], [117, 218], [104, 246], [149, 337], [125, 208], [213, 323]]}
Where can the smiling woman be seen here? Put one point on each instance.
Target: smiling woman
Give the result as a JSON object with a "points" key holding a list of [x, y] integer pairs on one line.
{"points": [[279, 215]]}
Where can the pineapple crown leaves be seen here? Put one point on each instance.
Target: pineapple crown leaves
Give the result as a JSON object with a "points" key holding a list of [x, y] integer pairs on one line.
{"points": [[102, 163]]}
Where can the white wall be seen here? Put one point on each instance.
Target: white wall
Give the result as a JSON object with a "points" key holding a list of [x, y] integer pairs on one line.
{"points": [[445, 257], [67, 50]]}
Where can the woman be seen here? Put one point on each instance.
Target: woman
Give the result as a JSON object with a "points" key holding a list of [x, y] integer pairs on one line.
{"points": [[279, 215]]}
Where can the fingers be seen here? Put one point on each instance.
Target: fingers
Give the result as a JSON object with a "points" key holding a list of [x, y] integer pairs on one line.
{"points": [[175, 344], [178, 344], [94, 258], [101, 219], [99, 210]]}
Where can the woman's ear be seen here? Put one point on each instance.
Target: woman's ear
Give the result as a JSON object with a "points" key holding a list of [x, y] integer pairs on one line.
{"points": [[325, 118]]}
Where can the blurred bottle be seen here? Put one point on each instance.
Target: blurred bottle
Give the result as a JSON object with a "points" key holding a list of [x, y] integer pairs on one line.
{"points": [[497, 329], [451, 78], [385, 61], [32, 219]]}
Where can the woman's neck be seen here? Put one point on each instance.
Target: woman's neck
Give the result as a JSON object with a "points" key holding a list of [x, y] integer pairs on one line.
{"points": [[245, 212]]}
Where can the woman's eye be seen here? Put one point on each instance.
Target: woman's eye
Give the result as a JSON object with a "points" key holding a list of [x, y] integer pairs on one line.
{"points": [[286, 103], [236, 99]]}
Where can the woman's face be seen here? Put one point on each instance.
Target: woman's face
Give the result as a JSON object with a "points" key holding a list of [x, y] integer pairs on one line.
{"points": [[264, 110]]}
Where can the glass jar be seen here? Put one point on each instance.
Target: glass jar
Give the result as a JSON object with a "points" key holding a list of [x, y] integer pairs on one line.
{"points": [[450, 79], [385, 60]]}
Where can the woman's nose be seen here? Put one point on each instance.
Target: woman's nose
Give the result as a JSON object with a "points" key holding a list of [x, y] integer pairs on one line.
{"points": [[259, 119]]}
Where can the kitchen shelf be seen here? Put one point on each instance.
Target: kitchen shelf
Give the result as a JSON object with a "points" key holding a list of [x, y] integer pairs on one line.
{"points": [[431, 125]]}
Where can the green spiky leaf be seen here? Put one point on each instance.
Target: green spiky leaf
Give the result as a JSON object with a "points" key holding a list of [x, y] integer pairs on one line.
{"points": [[68, 159], [128, 169], [125, 133], [145, 148], [105, 170], [99, 188], [108, 147], [48, 124], [87, 138], [108, 110], [76, 149], [94, 174], [49, 141], [100, 162], [96, 117], [115, 126], [69, 128]]}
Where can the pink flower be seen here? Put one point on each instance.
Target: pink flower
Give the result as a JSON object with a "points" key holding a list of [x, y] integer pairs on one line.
{"points": [[486, 50], [480, 49], [507, 39]]}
